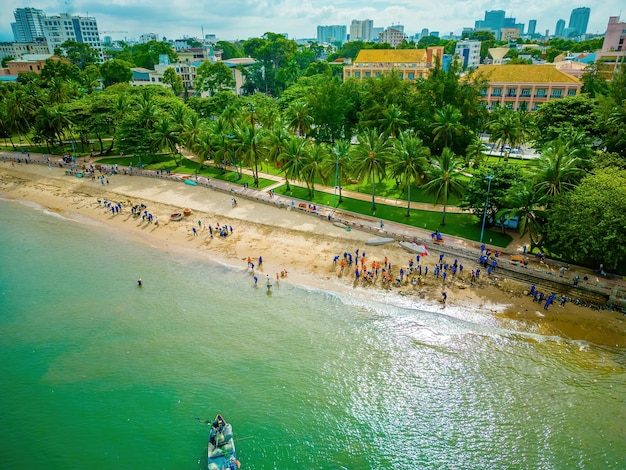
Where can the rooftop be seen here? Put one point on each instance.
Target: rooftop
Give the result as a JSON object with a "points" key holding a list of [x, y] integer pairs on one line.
{"points": [[522, 73], [391, 56]]}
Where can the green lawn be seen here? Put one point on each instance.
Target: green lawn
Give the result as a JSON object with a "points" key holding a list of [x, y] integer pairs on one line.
{"points": [[187, 166], [459, 225]]}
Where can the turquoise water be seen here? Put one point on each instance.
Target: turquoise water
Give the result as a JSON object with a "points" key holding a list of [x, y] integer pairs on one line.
{"points": [[97, 373]]}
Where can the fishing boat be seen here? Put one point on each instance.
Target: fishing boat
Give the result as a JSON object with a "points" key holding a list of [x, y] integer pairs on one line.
{"points": [[221, 449]]}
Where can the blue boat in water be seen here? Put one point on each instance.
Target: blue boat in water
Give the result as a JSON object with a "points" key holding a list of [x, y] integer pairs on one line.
{"points": [[221, 450]]}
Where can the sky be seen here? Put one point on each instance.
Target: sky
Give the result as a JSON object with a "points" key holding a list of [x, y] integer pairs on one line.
{"points": [[242, 19]]}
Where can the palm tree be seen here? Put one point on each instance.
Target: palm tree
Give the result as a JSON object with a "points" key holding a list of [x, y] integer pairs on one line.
{"points": [[447, 125], [299, 118], [248, 140], [165, 136], [558, 169], [314, 166], [526, 201], [445, 179], [505, 129], [409, 162], [338, 161], [475, 153], [294, 156], [392, 121], [370, 158]]}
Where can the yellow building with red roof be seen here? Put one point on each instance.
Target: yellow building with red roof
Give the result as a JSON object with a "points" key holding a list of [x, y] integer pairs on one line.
{"points": [[526, 87], [409, 64]]}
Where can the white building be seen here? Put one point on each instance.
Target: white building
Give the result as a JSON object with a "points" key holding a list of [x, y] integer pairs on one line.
{"points": [[147, 37], [18, 49], [468, 52], [65, 27]]}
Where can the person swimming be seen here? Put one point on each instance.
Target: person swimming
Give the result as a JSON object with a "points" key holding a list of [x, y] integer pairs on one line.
{"points": [[139, 283]]}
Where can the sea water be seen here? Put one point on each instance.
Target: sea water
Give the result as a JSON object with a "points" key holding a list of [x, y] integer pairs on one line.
{"points": [[97, 373]]}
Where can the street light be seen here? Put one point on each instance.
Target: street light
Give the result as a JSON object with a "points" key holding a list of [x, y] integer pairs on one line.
{"points": [[336, 177], [482, 230]]}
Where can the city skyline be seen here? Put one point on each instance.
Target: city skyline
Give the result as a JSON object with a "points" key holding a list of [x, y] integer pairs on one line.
{"points": [[251, 18]]}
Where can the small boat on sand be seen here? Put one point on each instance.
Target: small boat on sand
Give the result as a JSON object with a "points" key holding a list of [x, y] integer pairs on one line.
{"points": [[186, 211], [176, 216], [415, 248], [221, 449], [191, 182], [379, 241]]}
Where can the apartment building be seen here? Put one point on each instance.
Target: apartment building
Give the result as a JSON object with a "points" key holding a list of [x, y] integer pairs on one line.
{"points": [[65, 27], [468, 51]]}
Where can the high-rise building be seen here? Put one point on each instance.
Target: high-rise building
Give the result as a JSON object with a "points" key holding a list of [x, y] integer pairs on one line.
{"points": [[494, 21], [331, 33], [65, 27], [362, 30], [393, 36], [532, 25], [578, 20], [469, 52], [425, 33], [28, 26], [559, 30]]}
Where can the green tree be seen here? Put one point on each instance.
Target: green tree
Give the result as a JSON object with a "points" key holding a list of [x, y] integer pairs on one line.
{"points": [[80, 54], [392, 121], [503, 178], [586, 225], [447, 125], [299, 118], [505, 128], [314, 166], [370, 158], [116, 71], [6, 60], [212, 77], [165, 135], [230, 50], [558, 169], [409, 162], [445, 179], [526, 201], [294, 158], [552, 117], [173, 80]]}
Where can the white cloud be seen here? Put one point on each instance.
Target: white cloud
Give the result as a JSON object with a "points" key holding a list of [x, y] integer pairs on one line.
{"points": [[231, 19]]}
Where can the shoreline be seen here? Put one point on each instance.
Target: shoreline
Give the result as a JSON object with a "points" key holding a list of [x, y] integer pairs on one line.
{"points": [[290, 240]]}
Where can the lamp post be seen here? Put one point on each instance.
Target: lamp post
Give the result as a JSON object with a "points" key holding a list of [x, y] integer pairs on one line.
{"points": [[231, 137], [482, 230], [256, 163], [336, 177]]}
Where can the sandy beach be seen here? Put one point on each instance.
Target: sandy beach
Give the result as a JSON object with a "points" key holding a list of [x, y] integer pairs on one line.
{"points": [[299, 243]]}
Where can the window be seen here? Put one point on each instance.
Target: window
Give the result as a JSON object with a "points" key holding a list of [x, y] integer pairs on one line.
{"points": [[357, 74], [368, 74], [540, 93], [571, 92], [496, 92], [556, 93], [525, 92], [411, 75], [523, 106], [511, 92], [535, 106]]}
